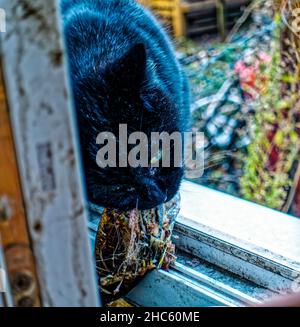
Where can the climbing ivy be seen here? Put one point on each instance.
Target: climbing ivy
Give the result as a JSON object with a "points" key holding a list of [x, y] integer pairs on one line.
{"points": [[275, 141]]}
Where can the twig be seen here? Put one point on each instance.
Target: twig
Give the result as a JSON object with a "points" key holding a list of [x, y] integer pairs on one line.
{"points": [[242, 20]]}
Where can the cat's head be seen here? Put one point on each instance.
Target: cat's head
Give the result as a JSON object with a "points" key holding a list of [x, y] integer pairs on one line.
{"points": [[123, 92]]}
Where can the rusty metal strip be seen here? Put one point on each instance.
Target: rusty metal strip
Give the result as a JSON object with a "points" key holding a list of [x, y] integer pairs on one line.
{"points": [[13, 230]]}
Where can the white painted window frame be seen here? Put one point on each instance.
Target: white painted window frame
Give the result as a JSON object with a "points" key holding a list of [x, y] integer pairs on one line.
{"points": [[252, 241]]}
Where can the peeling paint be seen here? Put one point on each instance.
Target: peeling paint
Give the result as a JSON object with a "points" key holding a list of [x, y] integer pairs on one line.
{"points": [[6, 210]]}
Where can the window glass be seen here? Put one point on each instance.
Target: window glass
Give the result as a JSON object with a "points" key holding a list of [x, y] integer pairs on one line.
{"points": [[242, 62]]}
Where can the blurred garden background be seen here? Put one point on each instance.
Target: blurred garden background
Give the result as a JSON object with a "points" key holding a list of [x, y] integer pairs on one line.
{"points": [[242, 59]]}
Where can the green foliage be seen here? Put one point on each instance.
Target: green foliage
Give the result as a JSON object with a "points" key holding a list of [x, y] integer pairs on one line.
{"points": [[275, 142]]}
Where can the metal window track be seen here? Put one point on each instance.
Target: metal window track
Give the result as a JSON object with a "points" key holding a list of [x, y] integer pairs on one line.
{"points": [[185, 287], [182, 286]]}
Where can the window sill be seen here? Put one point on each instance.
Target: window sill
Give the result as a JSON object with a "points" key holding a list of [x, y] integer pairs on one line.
{"points": [[246, 253], [250, 240]]}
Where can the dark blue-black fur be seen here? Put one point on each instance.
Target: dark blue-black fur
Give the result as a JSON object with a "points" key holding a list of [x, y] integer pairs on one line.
{"points": [[124, 71]]}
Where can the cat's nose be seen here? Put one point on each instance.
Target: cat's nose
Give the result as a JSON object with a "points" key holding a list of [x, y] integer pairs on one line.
{"points": [[156, 197], [151, 193]]}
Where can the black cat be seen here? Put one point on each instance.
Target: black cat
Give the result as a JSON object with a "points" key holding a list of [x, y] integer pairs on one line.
{"points": [[124, 71]]}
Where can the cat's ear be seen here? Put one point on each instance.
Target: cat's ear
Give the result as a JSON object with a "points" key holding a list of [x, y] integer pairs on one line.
{"points": [[129, 71]]}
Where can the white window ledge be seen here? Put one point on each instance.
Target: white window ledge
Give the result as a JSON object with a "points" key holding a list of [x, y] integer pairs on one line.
{"points": [[253, 241]]}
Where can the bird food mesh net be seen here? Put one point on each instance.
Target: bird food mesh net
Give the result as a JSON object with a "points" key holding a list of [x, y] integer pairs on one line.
{"points": [[129, 244]]}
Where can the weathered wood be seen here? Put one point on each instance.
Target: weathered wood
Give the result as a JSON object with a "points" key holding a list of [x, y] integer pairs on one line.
{"points": [[221, 19], [177, 13], [170, 11], [179, 23], [43, 126], [13, 229]]}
